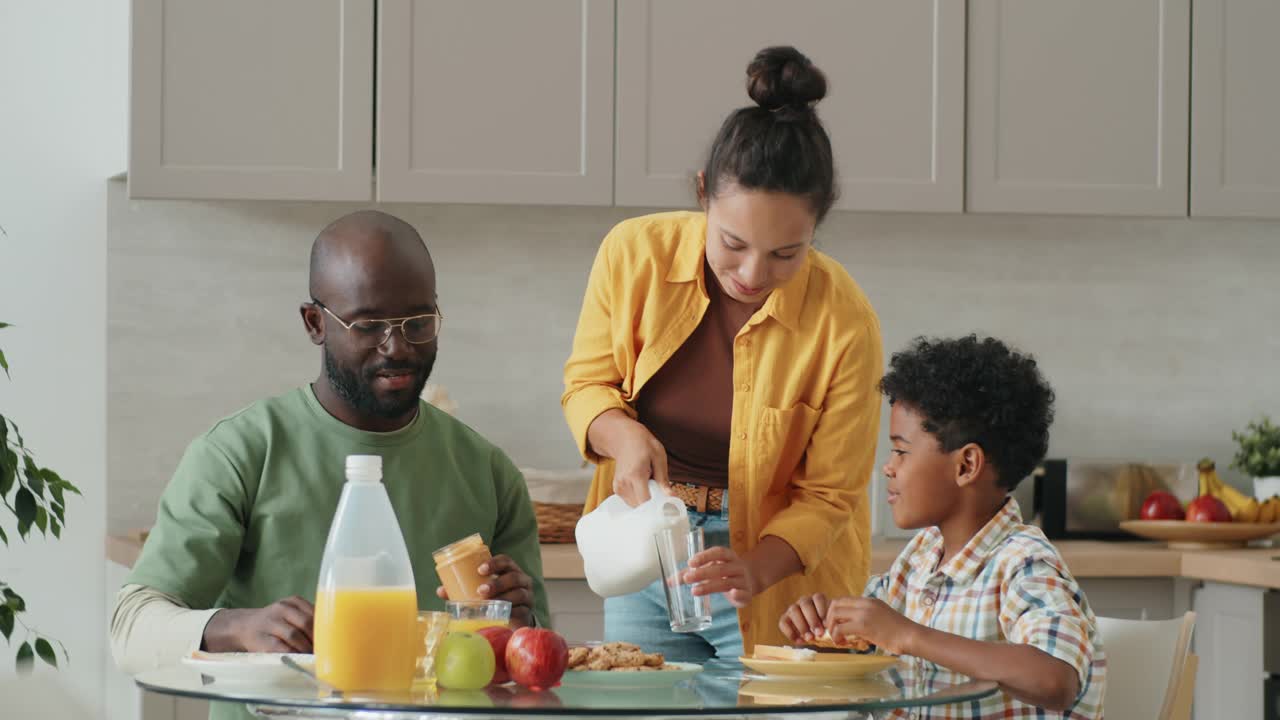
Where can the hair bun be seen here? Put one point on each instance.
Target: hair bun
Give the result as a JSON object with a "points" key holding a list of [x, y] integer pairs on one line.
{"points": [[782, 77]]}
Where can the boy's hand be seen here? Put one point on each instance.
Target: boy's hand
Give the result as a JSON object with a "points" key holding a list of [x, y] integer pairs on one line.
{"points": [[805, 620], [873, 621]]}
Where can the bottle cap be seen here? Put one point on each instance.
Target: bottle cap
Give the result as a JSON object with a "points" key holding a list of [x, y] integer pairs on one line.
{"points": [[364, 468]]}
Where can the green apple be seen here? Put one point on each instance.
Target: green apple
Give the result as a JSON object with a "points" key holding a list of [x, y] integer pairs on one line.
{"points": [[465, 661], [463, 698]]}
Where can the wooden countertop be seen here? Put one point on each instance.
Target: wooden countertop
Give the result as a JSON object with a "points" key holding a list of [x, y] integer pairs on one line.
{"points": [[1259, 567]]}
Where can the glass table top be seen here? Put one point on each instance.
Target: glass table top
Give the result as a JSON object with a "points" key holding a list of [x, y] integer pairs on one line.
{"points": [[721, 688]]}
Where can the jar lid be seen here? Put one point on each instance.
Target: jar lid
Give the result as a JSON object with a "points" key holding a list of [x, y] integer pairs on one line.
{"points": [[450, 551]]}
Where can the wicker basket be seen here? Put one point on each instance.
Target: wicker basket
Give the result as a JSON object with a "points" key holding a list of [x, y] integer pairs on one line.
{"points": [[556, 522]]}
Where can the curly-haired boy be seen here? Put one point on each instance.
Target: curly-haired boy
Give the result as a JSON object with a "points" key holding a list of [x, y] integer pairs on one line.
{"points": [[977, 593]]}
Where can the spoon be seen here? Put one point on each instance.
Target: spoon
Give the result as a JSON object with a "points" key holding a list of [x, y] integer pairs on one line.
{"points": [[295, 665]]}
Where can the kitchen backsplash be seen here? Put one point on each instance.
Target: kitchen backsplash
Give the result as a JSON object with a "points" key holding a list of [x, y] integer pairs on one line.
{"points": [[1158, 335]]}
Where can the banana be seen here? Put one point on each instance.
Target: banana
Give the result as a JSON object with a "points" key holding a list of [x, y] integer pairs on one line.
{"points": [[1249, 513], [1237, 502], [1266, 512]]}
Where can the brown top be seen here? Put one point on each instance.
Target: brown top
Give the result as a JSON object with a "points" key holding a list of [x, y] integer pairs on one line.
{"points": [[688, 403]]}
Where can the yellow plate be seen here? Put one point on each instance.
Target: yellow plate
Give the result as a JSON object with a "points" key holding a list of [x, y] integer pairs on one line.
{"points": [[826, 665], [1188, 535], [795, 691]]}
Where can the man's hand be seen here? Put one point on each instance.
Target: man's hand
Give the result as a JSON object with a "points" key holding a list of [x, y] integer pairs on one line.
{"points": [[284, 626], [507, 582], [805, 620], [873, 621]]}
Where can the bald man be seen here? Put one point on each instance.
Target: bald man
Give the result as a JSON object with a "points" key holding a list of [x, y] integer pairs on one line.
{"points": [[233, 559]]}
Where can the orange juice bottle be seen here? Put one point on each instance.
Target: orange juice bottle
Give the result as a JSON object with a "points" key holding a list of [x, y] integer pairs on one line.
{"points": [[366, 604]]}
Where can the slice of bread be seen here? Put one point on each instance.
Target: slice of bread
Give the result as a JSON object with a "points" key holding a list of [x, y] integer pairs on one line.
{"points": [[776, 652], [852, 642]]}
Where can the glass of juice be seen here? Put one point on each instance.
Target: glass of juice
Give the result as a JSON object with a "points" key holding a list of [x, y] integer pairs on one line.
{"points": [[472, 615], [458, 566], [432, 627]]}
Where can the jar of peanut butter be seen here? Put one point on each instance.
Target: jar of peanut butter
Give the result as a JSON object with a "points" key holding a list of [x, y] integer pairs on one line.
{"points": [[458, 566]]}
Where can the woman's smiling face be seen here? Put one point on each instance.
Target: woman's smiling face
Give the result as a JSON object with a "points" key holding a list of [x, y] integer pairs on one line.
{"points": [[756, 240]]}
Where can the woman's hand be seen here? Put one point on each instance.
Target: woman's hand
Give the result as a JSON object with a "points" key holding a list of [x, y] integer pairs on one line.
{"points": [[721, 570], [805, 621], [637, 455]]}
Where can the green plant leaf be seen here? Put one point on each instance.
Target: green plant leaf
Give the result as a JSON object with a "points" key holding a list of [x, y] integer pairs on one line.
{"points": [[5, 364], [55, 527], [42, 520], [26, 658], [6, 621], [35, 483], [8, 470], [14, 601], [24, 506], [55, 491], [4, 536], [51, 478], [45, 651], [4, 325], [58, 510]]}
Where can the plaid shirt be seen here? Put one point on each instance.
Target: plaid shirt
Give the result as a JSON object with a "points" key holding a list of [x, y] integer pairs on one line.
{"points": [[1008, 585]]}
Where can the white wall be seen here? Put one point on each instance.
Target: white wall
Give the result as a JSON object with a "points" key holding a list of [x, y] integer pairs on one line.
{"points": [[1157, 334], [63, 94]]}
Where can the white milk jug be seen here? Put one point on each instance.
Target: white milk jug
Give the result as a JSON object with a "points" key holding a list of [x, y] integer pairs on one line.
{"points": [[616, 541]]}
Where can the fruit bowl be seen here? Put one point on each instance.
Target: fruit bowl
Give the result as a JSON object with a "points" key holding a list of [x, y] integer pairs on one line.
{"points": [[1187, 535]]}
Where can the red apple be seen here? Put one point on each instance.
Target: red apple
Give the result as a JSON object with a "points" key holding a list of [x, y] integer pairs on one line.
{"points": [[1161, 505], [537, 658], [1208, 508], [498, 637]]}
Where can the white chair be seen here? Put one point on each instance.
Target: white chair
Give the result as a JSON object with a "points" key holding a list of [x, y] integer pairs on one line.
{"points": [[1150, 669]]}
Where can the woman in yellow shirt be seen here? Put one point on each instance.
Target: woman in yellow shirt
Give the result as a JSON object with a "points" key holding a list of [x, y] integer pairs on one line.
{"points": [[721, 355]]}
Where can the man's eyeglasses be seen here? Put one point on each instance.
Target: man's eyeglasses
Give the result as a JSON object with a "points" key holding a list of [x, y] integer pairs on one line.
{"points": [[418, 329]]}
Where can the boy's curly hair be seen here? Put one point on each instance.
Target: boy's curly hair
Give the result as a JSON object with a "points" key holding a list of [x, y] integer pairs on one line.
{"points": [[972, 390]]}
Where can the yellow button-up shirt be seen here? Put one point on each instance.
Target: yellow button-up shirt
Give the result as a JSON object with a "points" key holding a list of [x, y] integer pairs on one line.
{"points": [[806, 410]]}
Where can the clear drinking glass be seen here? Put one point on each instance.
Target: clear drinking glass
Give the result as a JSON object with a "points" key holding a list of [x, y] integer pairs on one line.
{"points": [[473, 615], [688, 613], [432, 627]]}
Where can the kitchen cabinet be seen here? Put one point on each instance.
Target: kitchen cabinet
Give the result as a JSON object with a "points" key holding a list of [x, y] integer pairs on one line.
{"points": [[1079, 107], [1130, 598], [894, 108], [1235, 108], [576, 612], [243, 99], [495, 101], [1230, 627]]}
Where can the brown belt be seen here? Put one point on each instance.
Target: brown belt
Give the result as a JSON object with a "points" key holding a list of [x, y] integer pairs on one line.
{"points": [[699, 497]]}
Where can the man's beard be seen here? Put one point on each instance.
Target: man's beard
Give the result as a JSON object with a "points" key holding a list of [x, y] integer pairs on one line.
{"points": [[357, 389]]}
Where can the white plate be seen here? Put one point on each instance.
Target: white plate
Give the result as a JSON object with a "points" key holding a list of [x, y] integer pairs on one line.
{"points": [[250, 668], [676, 672]]}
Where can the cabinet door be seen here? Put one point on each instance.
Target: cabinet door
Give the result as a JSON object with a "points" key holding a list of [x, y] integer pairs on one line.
{"points": [[499, 101], [1078, 107], [252, 100], [1235, 108], [1228, 639], [894, 108]]}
